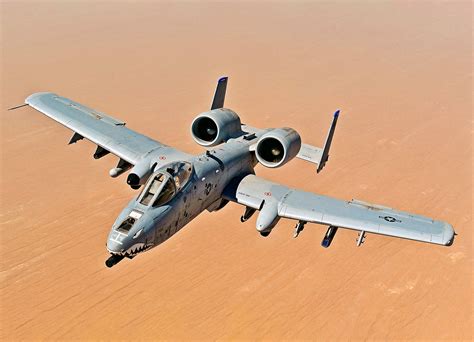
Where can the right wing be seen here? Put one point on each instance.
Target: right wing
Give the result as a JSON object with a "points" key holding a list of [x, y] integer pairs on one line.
{"points": [[280, 201], [108, 133]]}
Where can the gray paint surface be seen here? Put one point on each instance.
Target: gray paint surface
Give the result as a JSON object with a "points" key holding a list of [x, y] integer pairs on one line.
{"points": [[357, 215], [224, 173]]}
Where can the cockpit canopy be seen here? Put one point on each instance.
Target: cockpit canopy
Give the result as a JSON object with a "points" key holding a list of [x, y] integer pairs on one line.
{"points": [[164, 184]]}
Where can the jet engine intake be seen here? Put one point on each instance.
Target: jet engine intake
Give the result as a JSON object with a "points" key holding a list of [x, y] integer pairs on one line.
{"points": [[278, 147], [215, 127]]}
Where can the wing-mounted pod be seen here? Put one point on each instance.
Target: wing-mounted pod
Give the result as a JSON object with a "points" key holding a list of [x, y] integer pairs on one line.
{"points": [[278, 147]]}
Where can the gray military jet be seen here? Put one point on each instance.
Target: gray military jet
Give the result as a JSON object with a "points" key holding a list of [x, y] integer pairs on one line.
{"points": [[176, 187]]}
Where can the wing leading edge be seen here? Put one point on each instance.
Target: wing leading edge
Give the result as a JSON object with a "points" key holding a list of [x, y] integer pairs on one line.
{"points": [[256, 193]]}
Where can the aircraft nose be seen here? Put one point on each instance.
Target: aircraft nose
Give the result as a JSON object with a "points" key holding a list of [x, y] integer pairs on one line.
{"points": [[113, 247], [115, 243]]}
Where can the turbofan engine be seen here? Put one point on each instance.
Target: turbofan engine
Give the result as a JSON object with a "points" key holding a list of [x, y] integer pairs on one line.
{"points": [[215, 126], [278, 147]]}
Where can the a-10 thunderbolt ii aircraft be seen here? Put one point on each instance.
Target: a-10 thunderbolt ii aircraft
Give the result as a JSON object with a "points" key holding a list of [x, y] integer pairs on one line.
{"points": [[176, 186]]}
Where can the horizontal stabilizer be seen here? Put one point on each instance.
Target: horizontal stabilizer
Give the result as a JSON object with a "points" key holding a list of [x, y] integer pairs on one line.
{"points": [[310, 153]]}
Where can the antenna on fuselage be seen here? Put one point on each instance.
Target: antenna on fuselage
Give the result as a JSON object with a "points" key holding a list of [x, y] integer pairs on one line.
{"points": [[219, 96]]}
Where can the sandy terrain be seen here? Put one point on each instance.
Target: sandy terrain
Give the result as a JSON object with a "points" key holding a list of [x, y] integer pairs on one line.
{"points": [[400, 73]]}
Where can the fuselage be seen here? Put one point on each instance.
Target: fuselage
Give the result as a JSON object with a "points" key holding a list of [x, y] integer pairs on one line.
{"points": [[144, 224]]}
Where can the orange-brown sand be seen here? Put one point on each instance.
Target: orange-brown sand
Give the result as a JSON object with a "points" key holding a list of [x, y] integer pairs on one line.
{"points": [[400, 73]]}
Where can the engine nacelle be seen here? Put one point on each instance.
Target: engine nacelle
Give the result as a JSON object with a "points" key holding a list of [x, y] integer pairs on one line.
{"points": [[139, 173], [215, 127], [278, 147]]}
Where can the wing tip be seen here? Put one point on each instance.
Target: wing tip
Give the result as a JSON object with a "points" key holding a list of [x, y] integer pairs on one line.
{"points": [[35, 95], [448, 234], [336, 113]]}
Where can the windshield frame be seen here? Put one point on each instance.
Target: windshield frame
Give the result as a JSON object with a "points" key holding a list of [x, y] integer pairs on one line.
{"points": [[166, 177], [146, 189], [171, 173], [159, 193]]}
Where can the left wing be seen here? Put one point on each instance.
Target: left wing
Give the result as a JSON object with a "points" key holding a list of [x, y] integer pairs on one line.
{"points": [[108, 133], [275, 201]]}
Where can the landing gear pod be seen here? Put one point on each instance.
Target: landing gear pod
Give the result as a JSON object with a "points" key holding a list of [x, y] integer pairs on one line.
{"points": [[268, 218]]}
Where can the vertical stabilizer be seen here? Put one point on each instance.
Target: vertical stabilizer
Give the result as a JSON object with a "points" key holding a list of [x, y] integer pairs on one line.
{"points": [[327, 145], [219, 96]]}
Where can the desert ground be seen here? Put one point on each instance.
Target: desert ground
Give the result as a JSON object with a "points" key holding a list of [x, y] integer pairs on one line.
{"points": [[401, 74]]}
